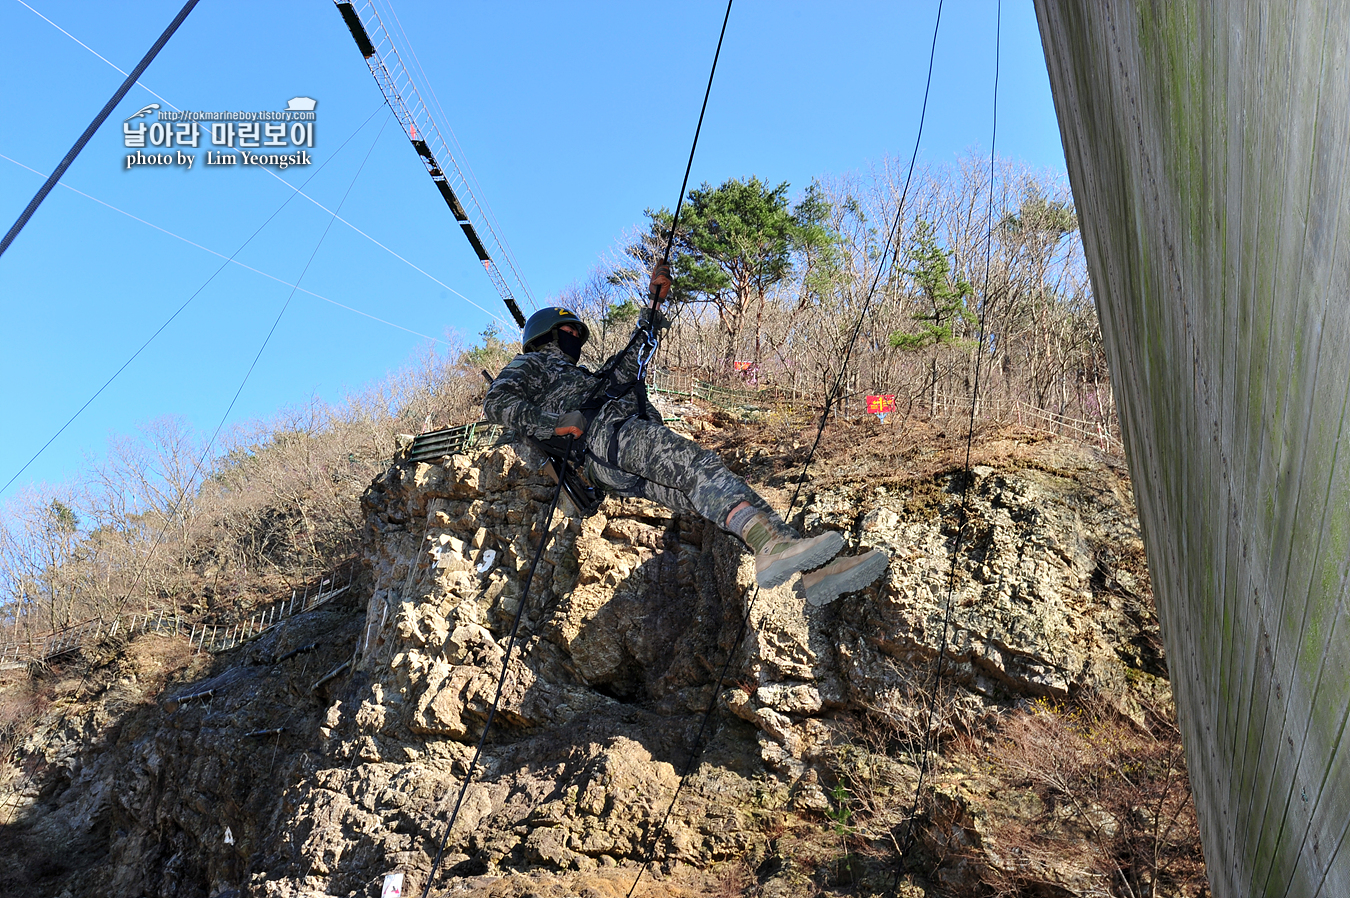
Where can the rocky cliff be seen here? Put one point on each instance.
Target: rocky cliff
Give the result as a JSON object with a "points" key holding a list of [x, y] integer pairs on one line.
{"points": [[802, 783]]}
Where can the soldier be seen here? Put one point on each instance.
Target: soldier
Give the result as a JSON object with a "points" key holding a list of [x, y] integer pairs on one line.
{"points": [[605, 417]]}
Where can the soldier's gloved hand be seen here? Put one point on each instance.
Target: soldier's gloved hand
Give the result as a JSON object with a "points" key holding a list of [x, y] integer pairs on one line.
{"points": [[660, 282], [645, 316], [572, 424]]}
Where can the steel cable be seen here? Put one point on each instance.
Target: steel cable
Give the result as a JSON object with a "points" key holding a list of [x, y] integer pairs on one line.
{"points": [[94, 126], [501, 683], [288, 184], [179, 310], [964, 511]]}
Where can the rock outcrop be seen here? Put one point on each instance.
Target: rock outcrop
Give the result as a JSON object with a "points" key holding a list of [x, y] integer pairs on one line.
{"points": [[632, 629], [632, 616]]}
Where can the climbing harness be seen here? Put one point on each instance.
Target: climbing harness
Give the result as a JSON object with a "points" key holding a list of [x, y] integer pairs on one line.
{"points": [[564, 467], [566, 460]]}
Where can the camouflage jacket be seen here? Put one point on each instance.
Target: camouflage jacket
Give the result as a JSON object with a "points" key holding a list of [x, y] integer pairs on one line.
{"points": [[535, 389]]}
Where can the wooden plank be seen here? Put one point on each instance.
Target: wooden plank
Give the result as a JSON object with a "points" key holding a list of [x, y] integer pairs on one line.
{"points": [[1207, 148]]}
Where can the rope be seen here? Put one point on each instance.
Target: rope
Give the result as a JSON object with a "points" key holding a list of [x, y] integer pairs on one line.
{"points": [[831, 396], [934, 693], [94, 126], [179, 310], [829, 400], [679, 201], [515, 624], [501, 683], [892, 238], [414, 267]]}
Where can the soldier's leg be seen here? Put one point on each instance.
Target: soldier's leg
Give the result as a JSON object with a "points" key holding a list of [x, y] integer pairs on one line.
{"points": [[620, 482], [673, 464], [658, 464], [666, 460]]}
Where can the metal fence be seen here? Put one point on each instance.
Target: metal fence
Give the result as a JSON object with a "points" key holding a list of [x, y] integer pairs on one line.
{"points": [[1101, 432], [203, 636], [438, 444], [685, 385], [220, 638]]}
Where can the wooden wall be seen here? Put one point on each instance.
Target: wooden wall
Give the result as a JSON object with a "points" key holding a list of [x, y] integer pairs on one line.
{"points": [[1207, 147]]}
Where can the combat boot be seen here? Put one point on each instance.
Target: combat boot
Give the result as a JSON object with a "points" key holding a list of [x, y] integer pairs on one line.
{"points": [[842, 575], [779, 555]]}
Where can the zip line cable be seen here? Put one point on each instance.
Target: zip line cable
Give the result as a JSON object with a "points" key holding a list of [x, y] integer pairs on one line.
{"points": [[679, 201], [232, 260], [288, 184], [964, 516], [177, 311], [544, 538], [206, 451], [94, 126], [892, 237], [501, 683], [290, 296]]}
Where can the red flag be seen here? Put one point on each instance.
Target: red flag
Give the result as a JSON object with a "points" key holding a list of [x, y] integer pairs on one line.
{"points": [[881, 404]]}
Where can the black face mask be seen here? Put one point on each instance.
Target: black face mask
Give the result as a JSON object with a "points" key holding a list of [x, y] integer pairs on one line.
{"points": [[570, 345]]}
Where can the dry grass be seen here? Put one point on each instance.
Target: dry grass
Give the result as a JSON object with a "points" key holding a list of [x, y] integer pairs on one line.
{"points": [[22, 704], [1119, 786]]}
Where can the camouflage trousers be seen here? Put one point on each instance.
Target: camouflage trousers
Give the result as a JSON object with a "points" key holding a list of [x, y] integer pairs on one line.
{"points": [[658, 464]]}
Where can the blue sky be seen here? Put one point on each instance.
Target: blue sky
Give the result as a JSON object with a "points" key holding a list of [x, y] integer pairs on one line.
{"points": [[574, 118]]}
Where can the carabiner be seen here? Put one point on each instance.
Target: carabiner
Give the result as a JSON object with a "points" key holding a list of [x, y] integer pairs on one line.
{"points": [[645, 353]]}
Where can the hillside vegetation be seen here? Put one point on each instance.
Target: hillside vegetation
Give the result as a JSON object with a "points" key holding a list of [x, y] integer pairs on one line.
{"points": [[1059, 769], [768, 296]]}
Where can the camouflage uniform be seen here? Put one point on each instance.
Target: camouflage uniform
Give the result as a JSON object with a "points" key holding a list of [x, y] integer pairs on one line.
{"points": [[629, 451]]}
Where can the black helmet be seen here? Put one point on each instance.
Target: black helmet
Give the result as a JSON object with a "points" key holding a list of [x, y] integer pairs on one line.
{"points": [[539, 329]]}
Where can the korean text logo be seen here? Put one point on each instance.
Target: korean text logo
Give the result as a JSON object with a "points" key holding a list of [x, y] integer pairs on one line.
{"points": [[278, 138]]}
